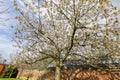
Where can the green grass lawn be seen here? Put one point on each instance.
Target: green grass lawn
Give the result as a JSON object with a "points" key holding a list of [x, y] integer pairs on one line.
{"points": [[8, 79], [15, 79]]}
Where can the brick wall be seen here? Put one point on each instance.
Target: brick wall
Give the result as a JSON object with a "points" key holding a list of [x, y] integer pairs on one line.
{"points": [[2, 68]]}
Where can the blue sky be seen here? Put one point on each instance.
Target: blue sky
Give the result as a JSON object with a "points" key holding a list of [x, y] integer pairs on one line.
{"points": [[6, 33]]}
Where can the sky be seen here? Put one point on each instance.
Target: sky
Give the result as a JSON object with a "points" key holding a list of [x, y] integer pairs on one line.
{"points": [[6, 32]]}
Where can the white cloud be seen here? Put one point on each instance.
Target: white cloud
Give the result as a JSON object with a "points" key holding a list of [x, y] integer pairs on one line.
{"points": [[6, 47], [116, 3], [5, 14]]}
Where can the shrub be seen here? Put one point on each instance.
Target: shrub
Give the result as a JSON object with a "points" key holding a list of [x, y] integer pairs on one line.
{"points": [[10, 72]]}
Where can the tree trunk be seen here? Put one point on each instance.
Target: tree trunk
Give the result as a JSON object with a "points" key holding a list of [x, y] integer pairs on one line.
{"points": [[58, 71]]}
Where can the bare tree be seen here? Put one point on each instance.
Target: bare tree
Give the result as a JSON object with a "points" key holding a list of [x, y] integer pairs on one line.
{"points": [[0, 58], [67, 30]]}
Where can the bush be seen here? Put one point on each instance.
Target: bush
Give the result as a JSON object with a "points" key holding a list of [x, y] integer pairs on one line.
{"points": [[10, 72]]}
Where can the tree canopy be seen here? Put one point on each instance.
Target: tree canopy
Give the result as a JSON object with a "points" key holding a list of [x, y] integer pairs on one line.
{"points": [[66, 30]]}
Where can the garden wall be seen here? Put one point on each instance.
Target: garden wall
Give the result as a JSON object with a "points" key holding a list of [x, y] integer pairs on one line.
{"points": [[2, 68]]}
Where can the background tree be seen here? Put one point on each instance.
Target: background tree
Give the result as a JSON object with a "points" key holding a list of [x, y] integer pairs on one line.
{"points": [[67, 30], [1, 58], [22, 62]]}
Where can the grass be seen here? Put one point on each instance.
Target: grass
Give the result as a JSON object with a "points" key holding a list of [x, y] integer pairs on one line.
{"points": [[8, 79], [22, 78]]}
